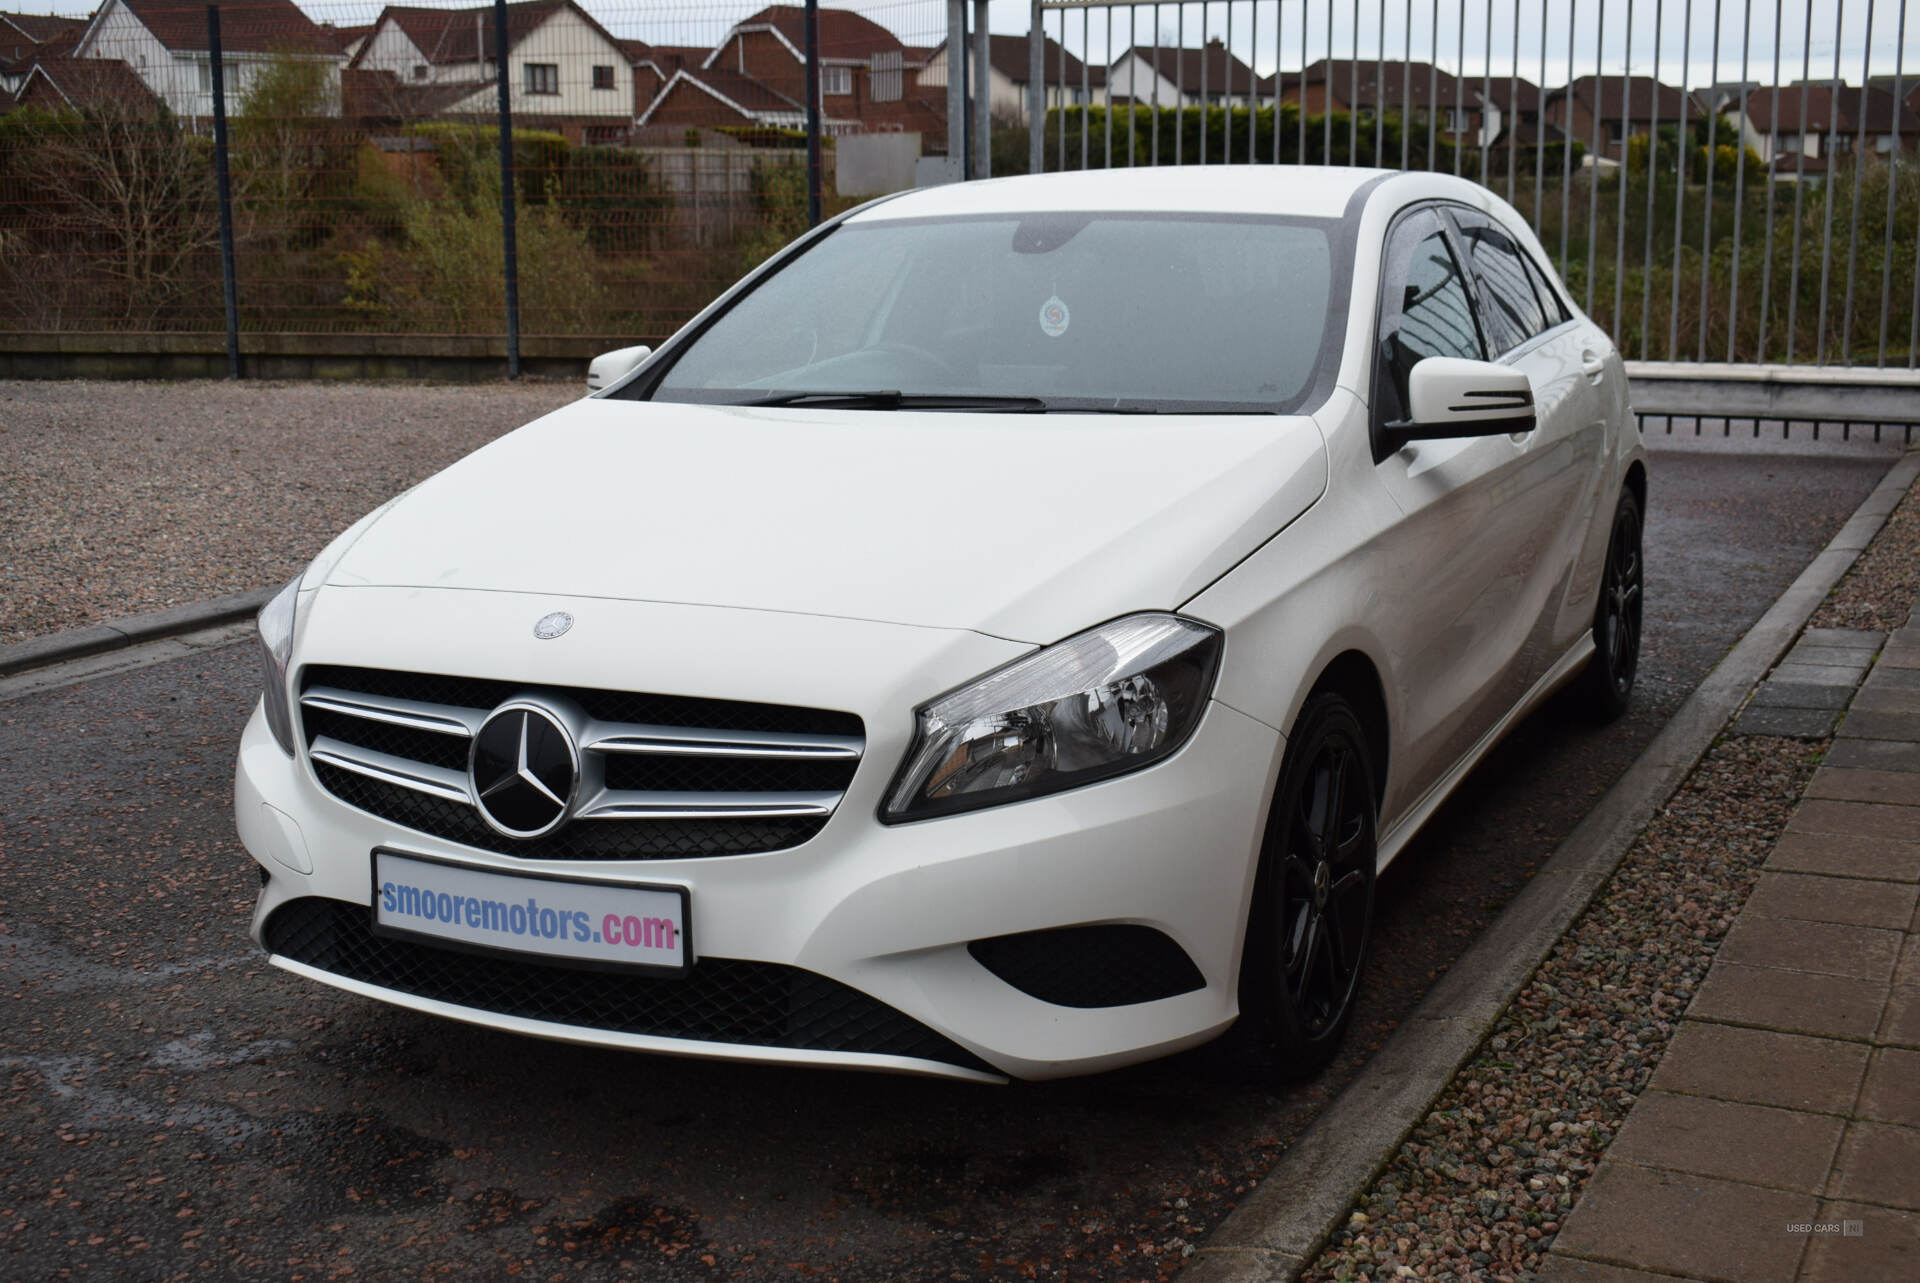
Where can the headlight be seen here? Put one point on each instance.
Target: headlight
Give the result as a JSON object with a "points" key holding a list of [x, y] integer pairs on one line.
{"points": [[1107, 701], [275, 623]]}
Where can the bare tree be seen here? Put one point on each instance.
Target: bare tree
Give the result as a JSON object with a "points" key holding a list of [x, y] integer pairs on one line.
{"points": [[133, 212]]}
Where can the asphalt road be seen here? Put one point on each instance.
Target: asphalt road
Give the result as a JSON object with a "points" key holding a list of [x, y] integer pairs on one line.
{"points": [[174, 1107]]}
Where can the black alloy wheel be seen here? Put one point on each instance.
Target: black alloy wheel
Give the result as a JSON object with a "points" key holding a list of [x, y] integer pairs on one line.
{"points": [[1609, 676], [1313, 898]]}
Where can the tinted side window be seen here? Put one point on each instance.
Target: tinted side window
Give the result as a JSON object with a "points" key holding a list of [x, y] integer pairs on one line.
{"points": [[1549, 297], [1424, 309], [1512, 310]]}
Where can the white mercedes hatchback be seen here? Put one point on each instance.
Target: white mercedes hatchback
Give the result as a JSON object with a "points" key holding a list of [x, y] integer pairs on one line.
{"points": [[1005, 635]]}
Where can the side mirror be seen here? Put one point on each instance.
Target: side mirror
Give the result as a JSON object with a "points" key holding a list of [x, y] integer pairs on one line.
{"points": [[610, 367], [1449, 397]]}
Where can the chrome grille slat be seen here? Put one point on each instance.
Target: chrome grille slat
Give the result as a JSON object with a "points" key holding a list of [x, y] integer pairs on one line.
{"points": [[694, 741], [734, 778], [443, 719], [434, 781], [631, 804]]}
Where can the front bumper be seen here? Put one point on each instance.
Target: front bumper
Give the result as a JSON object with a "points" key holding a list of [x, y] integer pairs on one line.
{"points": [[885, 910]]}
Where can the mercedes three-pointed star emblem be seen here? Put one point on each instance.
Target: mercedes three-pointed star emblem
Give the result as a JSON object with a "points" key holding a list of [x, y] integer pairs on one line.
{"points": [[524, 768]]}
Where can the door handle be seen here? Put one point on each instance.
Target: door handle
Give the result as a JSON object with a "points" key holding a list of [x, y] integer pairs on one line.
{"points": [[1592, 366]]}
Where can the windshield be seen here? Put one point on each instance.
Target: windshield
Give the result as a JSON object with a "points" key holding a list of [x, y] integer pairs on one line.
{"points": [[1164, 313]]}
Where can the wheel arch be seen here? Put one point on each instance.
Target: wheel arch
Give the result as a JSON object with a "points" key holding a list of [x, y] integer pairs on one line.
{"points": [[1636, 481], [1352, 675]]}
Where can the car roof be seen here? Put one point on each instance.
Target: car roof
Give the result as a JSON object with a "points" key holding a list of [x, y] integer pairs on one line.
{"points": [[1306, 191]]}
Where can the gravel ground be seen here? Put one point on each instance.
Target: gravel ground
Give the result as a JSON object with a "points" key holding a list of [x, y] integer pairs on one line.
{"points": [[1481, 1186], [1880, 588], [118, 498], [1479, 1190]]}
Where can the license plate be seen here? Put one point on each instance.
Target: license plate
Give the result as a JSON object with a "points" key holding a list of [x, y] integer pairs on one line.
{"points": [[595, 924]]}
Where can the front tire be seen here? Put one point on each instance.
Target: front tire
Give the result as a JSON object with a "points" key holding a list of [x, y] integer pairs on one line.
{"points": [[1607, 683], [1312, 913]]}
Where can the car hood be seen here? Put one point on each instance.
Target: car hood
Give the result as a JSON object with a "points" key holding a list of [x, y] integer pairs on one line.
{"points": [[1028, 527]]}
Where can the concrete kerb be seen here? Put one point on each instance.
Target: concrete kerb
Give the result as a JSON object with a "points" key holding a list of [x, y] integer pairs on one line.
{"points": [[1288, 1218], [78, 643]]}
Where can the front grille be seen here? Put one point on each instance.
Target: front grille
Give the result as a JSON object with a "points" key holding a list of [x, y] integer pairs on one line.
{"points": [[721, 1000], [395, 745], [1113, 965]]}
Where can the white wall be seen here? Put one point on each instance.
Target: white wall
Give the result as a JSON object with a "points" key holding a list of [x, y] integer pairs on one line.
{"points": [[390, 49], [177, 77], [1133, 68], [575, 48], [1006, 97], [563, 41]]}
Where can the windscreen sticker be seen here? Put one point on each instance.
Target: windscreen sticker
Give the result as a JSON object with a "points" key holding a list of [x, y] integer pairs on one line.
{"points": [[1054, 317]]}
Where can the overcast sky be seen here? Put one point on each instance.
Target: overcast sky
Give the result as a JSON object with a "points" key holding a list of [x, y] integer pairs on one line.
{"points": [[1810, 30]]}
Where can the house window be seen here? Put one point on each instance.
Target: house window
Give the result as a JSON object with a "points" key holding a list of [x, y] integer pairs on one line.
{"points": [[206, 76], [543, 78], [419, 71], [886, 71], [603, 77], [836, 81]]}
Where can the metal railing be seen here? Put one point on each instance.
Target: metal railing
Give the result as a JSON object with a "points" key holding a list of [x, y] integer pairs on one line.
{"points": [[651, 154], [1774, 217]]}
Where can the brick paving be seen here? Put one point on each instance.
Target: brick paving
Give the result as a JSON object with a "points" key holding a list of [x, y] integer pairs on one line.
{"points": [[1779, 1137]]}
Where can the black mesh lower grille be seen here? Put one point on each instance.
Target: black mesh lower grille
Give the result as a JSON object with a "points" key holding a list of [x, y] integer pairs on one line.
{"points": [[580, 840], [721, 1000], [1104, 966]]}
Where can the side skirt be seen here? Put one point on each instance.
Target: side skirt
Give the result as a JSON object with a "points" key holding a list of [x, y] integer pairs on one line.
{"points": [[1396, 838]]}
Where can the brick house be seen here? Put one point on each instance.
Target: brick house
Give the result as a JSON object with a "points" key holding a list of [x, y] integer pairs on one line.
{"points": [[1575, 108], [83, 84], [28, 37], [1799, 129], [1344, 85], [757, 74]]}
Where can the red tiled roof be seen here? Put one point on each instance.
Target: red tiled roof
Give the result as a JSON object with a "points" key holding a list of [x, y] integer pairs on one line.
{"points": [[843, 33], [1778, 110], [1879, 106], [1008, 54], [43, 28], [1601, 94], [343, 37], [1185, 67], [246, 26], [670, 57], [743, 90], [1341, 72], [84, 83], [382, 94], [466, 35], [1524, 91]]}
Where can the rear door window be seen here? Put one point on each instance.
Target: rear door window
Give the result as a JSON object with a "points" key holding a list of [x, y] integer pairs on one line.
{"points": [[1549, 297]]}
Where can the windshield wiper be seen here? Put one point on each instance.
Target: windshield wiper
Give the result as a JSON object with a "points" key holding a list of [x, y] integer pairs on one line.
{"points": [[906, 401]]}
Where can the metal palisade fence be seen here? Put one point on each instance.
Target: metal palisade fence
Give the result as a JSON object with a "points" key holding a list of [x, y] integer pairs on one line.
{"points": [[652, 153], [1717, 180]]}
